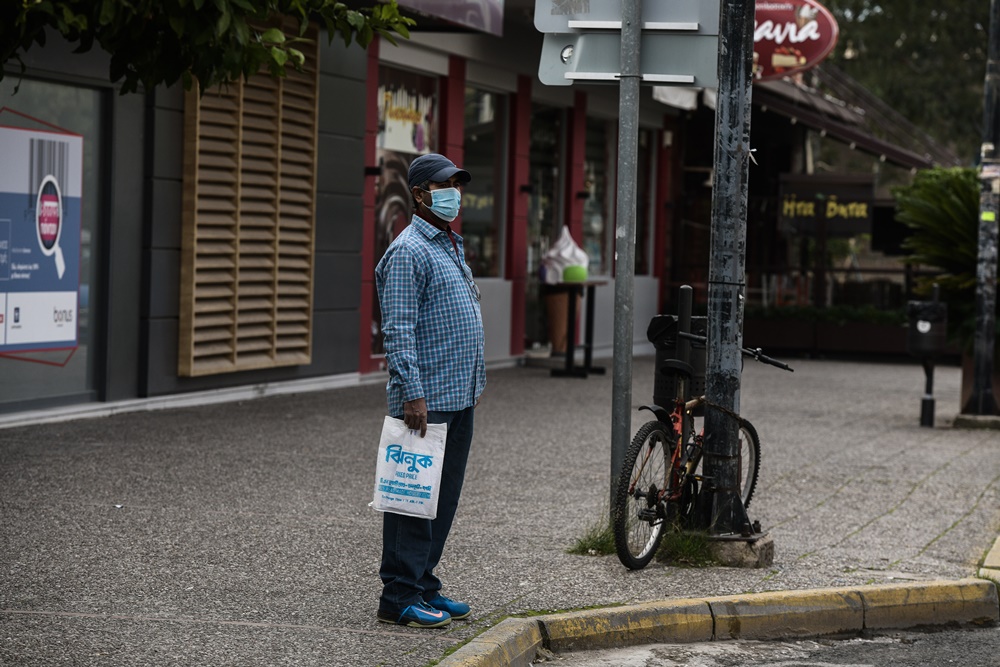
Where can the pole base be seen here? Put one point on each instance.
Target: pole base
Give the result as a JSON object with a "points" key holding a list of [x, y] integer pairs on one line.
{"points": [[756, 551], [927, 411]]}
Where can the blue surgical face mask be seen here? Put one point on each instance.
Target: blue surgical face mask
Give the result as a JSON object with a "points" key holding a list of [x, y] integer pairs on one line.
{"points": [[445, 203]]}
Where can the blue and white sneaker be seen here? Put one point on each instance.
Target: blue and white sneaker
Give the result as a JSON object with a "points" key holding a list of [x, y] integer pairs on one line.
{"points": [[420, 615], [457, 610]]}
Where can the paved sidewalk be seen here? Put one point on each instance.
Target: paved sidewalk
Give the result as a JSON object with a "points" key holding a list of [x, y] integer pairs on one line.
{"points": [[238, 534]]}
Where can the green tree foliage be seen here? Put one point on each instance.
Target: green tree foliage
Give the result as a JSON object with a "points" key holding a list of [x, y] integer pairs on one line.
{"points": [[926, 58], [154, 42], [941, 207]]}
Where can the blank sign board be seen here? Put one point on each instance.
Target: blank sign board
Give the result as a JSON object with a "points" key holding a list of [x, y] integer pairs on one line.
{"points": [[666, 58], [567, 15]]}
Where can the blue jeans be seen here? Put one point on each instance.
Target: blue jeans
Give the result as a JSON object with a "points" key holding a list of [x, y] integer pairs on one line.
{"points": [[412, 547]]}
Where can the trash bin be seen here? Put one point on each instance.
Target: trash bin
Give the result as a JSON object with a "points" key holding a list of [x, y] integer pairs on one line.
{"points": [[926, 335], [662, 333]]}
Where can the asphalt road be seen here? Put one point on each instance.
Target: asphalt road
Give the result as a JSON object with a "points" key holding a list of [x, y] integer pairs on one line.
{"points": [[965, 647]]}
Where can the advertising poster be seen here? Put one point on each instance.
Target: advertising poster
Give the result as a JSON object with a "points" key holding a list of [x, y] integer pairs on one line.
{"points": [[41, 181], [407, 113]]}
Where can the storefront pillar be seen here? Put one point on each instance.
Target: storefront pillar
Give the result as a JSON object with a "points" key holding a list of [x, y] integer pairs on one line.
{"points": [[663, 212], [518, 192], [452, 127], [366, 362]]}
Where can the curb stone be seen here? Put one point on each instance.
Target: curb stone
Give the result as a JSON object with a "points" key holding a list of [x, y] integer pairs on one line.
{"points": [[989, 422], [775, 615], [991, 564]]}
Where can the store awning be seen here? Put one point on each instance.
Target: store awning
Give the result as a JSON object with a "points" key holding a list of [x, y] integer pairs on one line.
{"points": [[808, 106], [835, 119]]}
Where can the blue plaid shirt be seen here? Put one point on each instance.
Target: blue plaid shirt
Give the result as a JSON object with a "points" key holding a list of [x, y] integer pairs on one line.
{"points": [[431, 321]]}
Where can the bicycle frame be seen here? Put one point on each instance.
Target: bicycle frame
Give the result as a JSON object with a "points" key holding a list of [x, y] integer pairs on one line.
{"points": [[684, 459], [686, 455]]}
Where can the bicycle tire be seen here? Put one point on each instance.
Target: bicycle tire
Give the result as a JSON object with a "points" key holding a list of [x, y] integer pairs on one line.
{"points": [[749, 449], [644, 471], [748, 446]]}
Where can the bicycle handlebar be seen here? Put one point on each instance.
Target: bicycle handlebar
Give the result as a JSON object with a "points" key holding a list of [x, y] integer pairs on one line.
{"points": [[755, 352]]}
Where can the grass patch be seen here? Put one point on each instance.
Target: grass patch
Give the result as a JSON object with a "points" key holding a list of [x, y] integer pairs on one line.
{"points": [[686, 549], [598, 540]]}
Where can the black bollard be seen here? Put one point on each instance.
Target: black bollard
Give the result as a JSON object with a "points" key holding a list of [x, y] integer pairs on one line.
{"points": [[927, 402], [926, 338]]}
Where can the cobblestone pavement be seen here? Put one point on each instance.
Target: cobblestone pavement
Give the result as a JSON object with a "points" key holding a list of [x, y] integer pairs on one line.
{"points": [[240, 533]]}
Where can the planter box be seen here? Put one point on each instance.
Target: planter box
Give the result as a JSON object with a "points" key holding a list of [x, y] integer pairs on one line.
{"points": [[818, 337], [777, 334], [969, 374], [861, 337]]}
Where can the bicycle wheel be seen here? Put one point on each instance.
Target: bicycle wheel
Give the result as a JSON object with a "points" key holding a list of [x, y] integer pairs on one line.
{"points": [[638, 518], [748, 446], [749, 449]]}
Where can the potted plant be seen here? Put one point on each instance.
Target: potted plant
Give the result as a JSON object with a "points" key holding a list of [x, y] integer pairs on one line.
{"points": [[941, 208]]}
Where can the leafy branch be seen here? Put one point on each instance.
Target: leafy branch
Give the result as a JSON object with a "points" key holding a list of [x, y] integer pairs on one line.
{"points": [[153, 42]]}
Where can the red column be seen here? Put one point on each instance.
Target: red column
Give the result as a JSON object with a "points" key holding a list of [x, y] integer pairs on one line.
{"points": [[517, 210], [451, 130], [576, 147], [663, 216], [365, 362]]}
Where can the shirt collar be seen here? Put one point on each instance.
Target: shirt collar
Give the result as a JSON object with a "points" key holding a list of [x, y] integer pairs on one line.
{"points": [[427, 229]]}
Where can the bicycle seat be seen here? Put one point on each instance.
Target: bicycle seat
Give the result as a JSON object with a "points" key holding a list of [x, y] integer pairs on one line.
{"points": [[676, 367]]}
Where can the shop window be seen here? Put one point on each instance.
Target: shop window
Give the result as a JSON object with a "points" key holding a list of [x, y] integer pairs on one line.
{"points": [[544, 213], [249, 212], [644, 204], [482, 199], [829, 255], [597, 213], [51, 303]]}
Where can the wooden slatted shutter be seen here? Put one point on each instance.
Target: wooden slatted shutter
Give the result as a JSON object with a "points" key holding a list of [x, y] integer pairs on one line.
{"points": [[248, 228]]}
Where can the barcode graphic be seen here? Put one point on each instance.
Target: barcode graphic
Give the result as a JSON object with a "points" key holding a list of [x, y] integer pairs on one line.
{"points": [[48, 158]]}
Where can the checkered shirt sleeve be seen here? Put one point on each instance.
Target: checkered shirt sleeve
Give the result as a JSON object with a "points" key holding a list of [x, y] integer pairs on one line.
{"points": [[431, 322]]}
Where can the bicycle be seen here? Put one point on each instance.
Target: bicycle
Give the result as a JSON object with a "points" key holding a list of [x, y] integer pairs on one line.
{"points": [[661, 476]]}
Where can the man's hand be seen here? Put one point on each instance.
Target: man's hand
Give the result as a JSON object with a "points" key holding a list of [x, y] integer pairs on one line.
{"points": [[415, 415]]}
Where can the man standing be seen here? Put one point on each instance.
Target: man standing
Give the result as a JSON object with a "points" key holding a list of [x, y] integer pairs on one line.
{"points": [[434, 351]]}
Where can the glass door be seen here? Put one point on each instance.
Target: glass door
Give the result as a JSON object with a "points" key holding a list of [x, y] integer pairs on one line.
{"points": [[544, 212]]}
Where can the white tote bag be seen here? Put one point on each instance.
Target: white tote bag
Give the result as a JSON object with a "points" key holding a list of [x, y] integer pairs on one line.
{"points": [[408, 472]]}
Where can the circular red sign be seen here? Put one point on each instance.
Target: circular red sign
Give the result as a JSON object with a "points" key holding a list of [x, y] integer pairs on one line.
{"points": [[791, 36], [49, 214]]}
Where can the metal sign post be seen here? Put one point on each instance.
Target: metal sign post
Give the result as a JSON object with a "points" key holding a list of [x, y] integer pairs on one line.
{"points": [[628, 142]]}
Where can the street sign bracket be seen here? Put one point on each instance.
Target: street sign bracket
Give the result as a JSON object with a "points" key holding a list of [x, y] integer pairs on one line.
{"points": [[617, 25], [614, 76]]}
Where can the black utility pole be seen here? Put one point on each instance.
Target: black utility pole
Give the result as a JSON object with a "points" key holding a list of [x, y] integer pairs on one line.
{"points": [[728, 259], [982, 401]]}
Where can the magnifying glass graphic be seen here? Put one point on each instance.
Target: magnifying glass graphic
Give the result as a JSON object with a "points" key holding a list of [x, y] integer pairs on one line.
{"points": [[49, 214]]}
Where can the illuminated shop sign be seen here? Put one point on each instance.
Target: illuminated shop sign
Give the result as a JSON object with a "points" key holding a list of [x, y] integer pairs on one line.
{"points": [[791, 37], [841, 206]]}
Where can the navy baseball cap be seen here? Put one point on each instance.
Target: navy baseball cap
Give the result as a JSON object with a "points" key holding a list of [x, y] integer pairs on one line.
{"points": [[436, 169]]}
